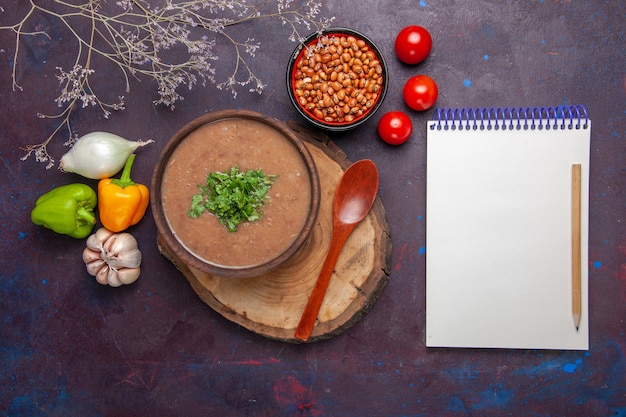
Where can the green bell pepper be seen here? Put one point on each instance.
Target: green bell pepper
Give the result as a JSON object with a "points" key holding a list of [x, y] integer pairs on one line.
{"points": [[67, 210]]}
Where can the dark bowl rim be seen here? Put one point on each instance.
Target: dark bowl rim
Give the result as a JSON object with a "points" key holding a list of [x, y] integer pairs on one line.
{"points": [[292, 62], [164, 230]]}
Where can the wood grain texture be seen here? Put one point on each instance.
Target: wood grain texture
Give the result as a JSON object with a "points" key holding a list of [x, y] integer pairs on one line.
{"points": [[271, 304], [354, 196]]}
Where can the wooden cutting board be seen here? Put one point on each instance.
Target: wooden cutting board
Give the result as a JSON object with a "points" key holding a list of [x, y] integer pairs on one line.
{"points": [[271, 304]]}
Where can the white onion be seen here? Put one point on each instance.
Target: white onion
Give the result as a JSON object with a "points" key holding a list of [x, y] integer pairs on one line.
{"points": [[99, 155]]}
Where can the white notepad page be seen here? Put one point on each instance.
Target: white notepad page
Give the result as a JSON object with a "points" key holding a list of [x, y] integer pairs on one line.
{"points": [[498, 238]]}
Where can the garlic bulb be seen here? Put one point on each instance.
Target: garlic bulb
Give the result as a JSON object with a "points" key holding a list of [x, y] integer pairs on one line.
{"points": [[113, 258], [99, 155]]}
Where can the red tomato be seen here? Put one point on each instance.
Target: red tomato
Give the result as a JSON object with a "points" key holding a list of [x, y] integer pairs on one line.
{"points": [[420, 92], [413, 44], [395, 127]]}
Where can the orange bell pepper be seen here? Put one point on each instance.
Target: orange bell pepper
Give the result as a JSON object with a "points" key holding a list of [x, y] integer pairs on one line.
{"points": [[121, 201]]}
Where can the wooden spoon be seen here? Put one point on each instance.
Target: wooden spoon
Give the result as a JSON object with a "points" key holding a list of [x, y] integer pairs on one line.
{"points": [[353, 199]]}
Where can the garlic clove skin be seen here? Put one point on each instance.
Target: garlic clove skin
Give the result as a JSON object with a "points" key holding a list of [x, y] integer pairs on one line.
{"points": [[112, 278], [102, 275], [98, 155], [90, 256], [96, 240], [113, 258], [121, 251], [95, 266], [128, 275]]}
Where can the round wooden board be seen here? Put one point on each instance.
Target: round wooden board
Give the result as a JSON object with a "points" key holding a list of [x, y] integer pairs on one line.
{"points": [[271, 304]]}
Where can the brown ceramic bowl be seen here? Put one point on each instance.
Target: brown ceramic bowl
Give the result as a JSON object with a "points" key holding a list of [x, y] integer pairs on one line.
{"points": [[217, 142], [337, 81]]}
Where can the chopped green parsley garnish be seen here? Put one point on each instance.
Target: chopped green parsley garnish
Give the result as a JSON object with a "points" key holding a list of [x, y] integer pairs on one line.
{"points": [[233, 196]]}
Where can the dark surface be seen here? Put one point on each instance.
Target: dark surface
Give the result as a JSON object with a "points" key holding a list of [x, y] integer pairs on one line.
{"points": [[70, 347]]}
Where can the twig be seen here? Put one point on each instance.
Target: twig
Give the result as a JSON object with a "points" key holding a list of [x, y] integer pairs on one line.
{"points": [[136, 37]]}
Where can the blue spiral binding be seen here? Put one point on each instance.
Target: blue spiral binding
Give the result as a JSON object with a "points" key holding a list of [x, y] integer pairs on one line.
{"points": [[511, 118]]}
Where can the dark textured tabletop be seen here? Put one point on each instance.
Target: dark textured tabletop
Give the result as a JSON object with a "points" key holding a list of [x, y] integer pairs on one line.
{"points": [[72, 347]]}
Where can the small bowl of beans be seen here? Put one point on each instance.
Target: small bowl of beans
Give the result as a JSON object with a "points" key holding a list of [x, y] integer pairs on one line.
{"points": [[337, 80]]}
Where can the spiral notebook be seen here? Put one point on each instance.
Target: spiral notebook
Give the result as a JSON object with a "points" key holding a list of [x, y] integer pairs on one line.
{"points": [[506, 242]]}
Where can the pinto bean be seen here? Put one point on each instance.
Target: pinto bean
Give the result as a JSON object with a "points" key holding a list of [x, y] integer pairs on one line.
{"points": [[338, 79]]}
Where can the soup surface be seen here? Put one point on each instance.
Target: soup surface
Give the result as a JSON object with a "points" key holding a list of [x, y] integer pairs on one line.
{"points": [[248, 144]]}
